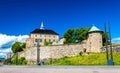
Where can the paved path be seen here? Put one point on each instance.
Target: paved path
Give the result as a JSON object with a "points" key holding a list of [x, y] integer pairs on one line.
{"points": [[60, 69]]}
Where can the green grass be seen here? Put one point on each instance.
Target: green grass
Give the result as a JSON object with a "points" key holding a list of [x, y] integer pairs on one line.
{"points": [[91, 59]]}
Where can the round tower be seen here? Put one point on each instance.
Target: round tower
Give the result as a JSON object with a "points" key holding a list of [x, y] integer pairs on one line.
{"points": [[94, 42]]}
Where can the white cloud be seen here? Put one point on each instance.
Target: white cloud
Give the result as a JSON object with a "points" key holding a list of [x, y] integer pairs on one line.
{"points": [[6, 38], [116, 40], [6, 42]]}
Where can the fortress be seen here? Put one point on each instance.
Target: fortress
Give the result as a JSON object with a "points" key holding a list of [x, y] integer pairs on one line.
{"points": [[92, 44]]}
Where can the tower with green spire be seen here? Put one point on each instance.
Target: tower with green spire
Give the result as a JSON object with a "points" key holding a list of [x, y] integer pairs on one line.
{"points": [[94, 41]]}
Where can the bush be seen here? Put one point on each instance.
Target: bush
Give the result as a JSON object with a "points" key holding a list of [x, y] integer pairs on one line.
{"points": [[21, 61], [81, 53], [47, 43]]}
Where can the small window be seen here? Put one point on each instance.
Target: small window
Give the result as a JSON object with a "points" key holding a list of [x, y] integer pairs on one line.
{"points": [[35, 35], [40, 40], [36, 40]]}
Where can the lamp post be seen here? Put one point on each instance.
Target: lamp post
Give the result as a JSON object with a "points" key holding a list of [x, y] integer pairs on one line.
{"points": [[111, 54], [109, 61], [38, 52], [106, 43], [10, 62], [16, 58]]}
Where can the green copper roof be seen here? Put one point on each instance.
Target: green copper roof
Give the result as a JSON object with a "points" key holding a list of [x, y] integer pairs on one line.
{"points": [[93, 29]]}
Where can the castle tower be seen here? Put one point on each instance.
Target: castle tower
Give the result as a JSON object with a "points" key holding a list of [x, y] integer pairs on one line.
{"points": [[94, 41]]}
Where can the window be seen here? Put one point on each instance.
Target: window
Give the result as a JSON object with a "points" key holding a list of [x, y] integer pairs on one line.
{"points": [[40, 40], [36, 40], [35, 35]]}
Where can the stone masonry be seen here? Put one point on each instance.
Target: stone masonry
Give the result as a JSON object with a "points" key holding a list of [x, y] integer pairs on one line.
{"points": [[51, 52]]}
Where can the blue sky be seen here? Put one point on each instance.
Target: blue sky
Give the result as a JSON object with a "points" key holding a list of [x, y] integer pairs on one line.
{"points": [[20, 17]]}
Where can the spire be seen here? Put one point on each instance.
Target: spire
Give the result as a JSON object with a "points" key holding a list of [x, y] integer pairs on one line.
{"points": [[42, 26]]}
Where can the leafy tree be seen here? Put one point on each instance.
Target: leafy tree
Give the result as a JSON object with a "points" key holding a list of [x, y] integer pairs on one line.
{"points": [[104, 36], [72, 35], [83, 33], [69, 36], [18, 46], [23, 45]]}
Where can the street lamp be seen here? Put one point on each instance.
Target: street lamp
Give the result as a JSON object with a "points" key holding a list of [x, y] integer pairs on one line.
{"points": [[16, 58], [106, 43], [10, 58], [109, 61], [38, 52], [111, 54]]}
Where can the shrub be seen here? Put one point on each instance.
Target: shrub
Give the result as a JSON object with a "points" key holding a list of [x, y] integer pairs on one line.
{"points": [[21, 61], [47, 43], [81, 53]]}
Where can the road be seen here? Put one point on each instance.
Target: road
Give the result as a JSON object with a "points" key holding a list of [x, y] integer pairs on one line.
{"points": [[59, 69]]}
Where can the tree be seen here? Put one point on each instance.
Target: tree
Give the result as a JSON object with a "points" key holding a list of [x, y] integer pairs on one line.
{"points": [[69, 36], [104, 36], [72, 35], [23, 45], [83, 33], [17, 47]]}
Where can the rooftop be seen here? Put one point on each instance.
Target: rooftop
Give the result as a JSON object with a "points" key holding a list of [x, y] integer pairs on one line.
{"points": [[94, 29], [40, 31]]}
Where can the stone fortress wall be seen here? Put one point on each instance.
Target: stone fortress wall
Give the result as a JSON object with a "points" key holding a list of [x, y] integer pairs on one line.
{"points": [[52, 52]]}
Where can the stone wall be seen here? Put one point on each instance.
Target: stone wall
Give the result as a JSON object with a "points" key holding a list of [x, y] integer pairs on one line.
{"points": [[51, 52], [94, 42]]}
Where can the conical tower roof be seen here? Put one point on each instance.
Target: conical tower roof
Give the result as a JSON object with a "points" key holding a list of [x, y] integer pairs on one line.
{"points": [[42, 26], [94, 29]]}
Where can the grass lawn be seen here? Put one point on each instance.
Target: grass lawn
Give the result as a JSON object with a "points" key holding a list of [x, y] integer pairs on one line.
{"points": [[90, 59]]}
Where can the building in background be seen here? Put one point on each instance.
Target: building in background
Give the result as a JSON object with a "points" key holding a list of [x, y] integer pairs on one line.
{"points": [[42, 35]]}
